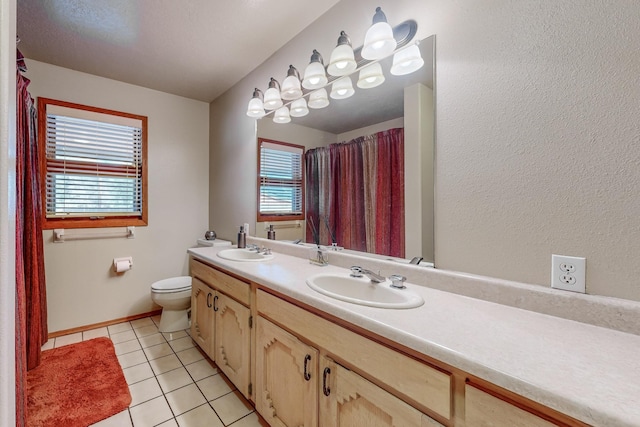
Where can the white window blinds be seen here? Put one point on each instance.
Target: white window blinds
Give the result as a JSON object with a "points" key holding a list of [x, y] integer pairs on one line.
{"points": [[280, 180], [93, 165]]}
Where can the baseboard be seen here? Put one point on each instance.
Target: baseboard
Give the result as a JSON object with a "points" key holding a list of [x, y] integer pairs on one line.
{"points": [[103, 324]]}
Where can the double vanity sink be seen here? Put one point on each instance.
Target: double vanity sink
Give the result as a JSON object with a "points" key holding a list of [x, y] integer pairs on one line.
{"points": [[341, 286]]}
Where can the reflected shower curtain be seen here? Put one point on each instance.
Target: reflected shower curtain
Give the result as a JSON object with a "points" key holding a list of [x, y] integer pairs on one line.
{"points": [[31, 304], [355, 193]]}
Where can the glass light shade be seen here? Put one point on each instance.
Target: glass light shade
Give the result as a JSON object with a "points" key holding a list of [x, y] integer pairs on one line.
{"points": [[378, 42], [272, 99], [319, 99], [282, 115], [299, 108], [371, 76], [256, 108], [342, 61], [407, 61], [314, 76], [342, 88], [291, 88]]}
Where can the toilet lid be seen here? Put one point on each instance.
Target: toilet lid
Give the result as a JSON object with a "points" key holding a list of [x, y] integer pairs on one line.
{"points": [[173, 284]]}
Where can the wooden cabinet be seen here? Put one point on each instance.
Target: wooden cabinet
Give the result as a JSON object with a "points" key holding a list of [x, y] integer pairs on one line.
{"points": [[484, 410], [286, 378], [202, 316], [220, 322], [348, 400]]}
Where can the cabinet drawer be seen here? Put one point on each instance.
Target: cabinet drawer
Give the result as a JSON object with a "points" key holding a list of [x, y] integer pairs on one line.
{"points": [[236, 289], [484, 410], [408, 378]]}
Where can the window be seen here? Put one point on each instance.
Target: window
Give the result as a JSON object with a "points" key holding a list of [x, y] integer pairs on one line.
{"points": [[92, 166], [280, 184]]}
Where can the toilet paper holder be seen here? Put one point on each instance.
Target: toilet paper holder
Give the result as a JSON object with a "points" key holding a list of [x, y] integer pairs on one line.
{"points": [[120, 265]]}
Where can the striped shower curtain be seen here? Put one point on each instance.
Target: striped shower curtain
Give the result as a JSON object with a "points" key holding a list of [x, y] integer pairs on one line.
{"points": [[355, 193]]}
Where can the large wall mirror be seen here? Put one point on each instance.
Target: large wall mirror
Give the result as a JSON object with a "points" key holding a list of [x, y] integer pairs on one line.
{"points": [[401, 101]]}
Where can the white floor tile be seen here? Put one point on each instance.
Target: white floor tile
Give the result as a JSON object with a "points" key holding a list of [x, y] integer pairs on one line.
{"points": [[202, 416], [48, 345], [156, 351], [151, 340], [121, 419], [128, 360], [214, 387], [119, 327], [68, 339], [189, 356], [170, 336], [181, 344], [95, 333], [175, 379], [201, 369], [139, 323], [144, 391], [171, 423], [185, 399], [127, 347], [165, 364], [151, 413], [231, 407], [137, 373], [251, 420], [123, 336], [146, 330]]}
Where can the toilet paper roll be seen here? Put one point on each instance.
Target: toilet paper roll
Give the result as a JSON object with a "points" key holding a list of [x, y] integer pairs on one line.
{"points": [[120, 265]]}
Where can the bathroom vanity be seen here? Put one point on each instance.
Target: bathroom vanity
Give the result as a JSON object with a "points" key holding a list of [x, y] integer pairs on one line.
{"points": [[305, 359]]}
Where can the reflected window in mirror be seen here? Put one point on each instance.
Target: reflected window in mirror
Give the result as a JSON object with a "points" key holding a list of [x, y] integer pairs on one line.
{"points": [[280, 181]]}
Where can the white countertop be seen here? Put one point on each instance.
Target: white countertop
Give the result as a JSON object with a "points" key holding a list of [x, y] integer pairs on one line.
{"points": [[587, 372]]}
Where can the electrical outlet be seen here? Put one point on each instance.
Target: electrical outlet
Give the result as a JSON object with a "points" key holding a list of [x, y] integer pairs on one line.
{"points": [[568, 273]]}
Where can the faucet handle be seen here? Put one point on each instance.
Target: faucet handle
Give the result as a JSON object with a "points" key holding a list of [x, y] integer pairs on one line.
{"points": [[356, 271], [397, 281]]}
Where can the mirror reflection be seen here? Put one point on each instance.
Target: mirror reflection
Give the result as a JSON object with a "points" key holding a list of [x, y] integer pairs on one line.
{"points": [[401, 107]]}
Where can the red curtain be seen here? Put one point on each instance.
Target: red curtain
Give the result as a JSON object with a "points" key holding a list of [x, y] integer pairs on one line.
{"points": [[364, 204], [31, 304]]}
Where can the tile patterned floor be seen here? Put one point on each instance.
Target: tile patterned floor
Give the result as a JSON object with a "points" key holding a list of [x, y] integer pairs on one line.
{"points": [[170, 380]]}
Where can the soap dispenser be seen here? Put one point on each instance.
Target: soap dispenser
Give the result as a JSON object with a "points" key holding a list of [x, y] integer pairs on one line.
{"points": [[242, 238], [271, 234]]}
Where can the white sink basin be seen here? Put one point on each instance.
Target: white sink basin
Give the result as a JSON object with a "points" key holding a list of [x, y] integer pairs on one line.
{"points": [[364, 292], [243, 255]]}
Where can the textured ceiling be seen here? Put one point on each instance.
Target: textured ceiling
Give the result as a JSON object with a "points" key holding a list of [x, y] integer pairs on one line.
{"points": [[195, 48]]}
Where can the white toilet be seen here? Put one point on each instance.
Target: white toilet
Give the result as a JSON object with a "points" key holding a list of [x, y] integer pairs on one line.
{"points": [[174, 296]]}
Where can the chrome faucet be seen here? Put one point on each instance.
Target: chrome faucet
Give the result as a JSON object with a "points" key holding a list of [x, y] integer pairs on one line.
{"points": [[357, 271]]}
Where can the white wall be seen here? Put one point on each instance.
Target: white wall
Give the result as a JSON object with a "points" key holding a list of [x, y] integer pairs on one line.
{"points": [[7, 212], [81, 288], [537, 132]]}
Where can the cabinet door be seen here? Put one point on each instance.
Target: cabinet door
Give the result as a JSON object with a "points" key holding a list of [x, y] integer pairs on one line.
{"points": [[202, 316], [232, 341], [348, 400], [286, 378]]}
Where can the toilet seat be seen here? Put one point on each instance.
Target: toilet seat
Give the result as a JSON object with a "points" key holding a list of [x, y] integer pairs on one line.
{"points": [[172, 285]]}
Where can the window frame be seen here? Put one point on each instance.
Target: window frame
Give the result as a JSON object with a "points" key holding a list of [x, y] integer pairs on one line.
{"points": [[88, 221], [263, 217]]}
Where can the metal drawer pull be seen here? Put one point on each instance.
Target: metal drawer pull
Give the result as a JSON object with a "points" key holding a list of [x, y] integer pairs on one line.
{"points": [[326, 390], [307, 375], [215, 303], [208, 301]]}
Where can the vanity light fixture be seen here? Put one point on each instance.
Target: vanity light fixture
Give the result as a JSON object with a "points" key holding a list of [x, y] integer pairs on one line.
{"points": [[318, 99], [291, 85], [342, 60], [379, 41], [342, 88], [282, 115], [299, 108], [406, 61], [315, 76], [272, 98], [371, 76], [256, 105]]}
